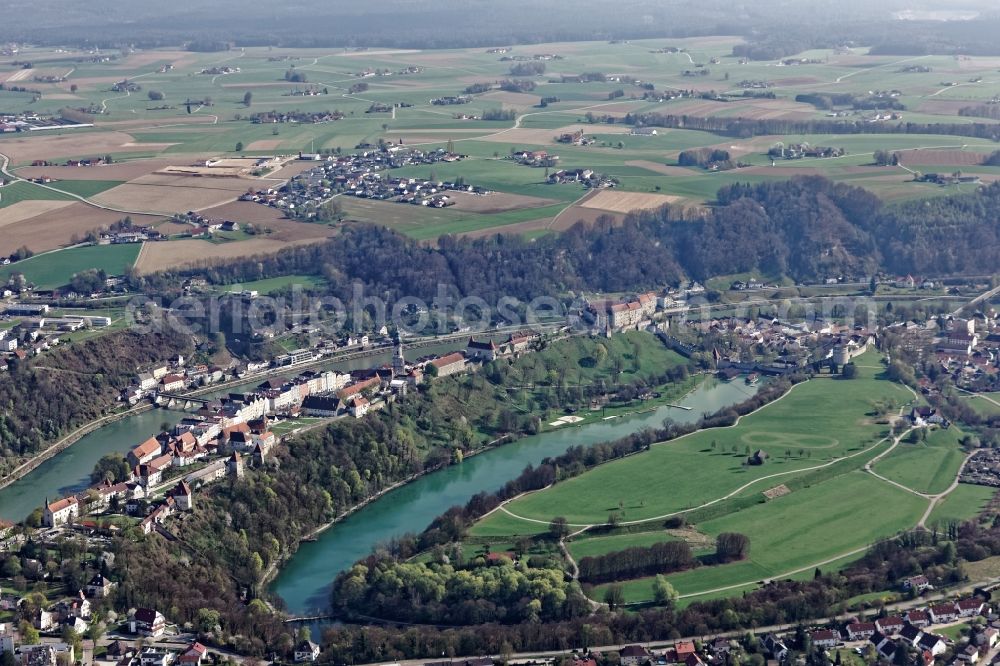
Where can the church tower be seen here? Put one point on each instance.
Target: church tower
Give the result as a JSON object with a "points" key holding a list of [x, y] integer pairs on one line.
{"points": [[398, 361]]}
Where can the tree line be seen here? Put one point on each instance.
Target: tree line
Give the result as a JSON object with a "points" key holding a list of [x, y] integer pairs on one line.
{"points": [[637, 562], [807, 228], [749, 127]]}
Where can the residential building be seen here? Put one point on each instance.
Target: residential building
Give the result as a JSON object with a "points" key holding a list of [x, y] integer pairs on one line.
{"points": [[306, 651], [152, 656], [145, 452], [359, 406], [910, 633], [324, 406], [774, 646], [969, 607], [932, 643], [183, 497], [6, 638], [684, 649], [193, 655], [857, 631], [825, 638], [634, 655], [99, 587], [146, 381], [38, 655], [147, 622], [212, 472], [890, 625], [482, 350], [943, 613], [917, 583], [44, 620], [969, 654], [918, 618]]}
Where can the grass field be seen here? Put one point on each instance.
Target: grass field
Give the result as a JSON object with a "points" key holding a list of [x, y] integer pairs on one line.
{"points": [[24, 191], [55, 269], [799, 531], [963, 503], [85, 188], [594, 546], [826, 517], [927, 467], [697, 472], [272, 285], [985, 403]]}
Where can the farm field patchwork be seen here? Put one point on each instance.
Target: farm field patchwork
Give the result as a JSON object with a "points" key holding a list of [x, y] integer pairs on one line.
{"points": [[53, 223], [149, 137]]}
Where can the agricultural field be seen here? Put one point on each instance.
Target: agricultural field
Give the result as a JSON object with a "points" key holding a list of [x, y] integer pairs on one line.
{"points": [[811, 504], [144, 137], [55, 269], [272, 285]]}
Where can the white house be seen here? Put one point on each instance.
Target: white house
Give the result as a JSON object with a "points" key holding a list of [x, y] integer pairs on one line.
{"points": [[147, 622], [943, 613], [306, 651], [824, 638], [634, 655], [860, 630]]}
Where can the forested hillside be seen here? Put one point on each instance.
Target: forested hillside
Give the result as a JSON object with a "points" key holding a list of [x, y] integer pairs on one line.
{"points": [[807, 228], [46, 397]]}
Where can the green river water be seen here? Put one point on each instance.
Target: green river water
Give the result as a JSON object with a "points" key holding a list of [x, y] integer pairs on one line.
{"points": [[304, 582]]}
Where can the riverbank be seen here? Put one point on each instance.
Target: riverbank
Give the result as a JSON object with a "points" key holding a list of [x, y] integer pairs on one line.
{"points": [[302, 581], [64, 443], [69, 440]]}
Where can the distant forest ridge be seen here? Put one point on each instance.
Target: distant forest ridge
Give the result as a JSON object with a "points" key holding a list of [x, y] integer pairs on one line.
{"points": [[807, 228], [772, 29]]}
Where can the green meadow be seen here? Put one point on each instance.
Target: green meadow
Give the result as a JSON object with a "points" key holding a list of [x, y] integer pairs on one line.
{"points": [[692, 471], [826, 511], [55, 269]]}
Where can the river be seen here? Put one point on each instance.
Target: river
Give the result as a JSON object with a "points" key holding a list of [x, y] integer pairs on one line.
{"points": [[304, 582], [69, 470]]}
